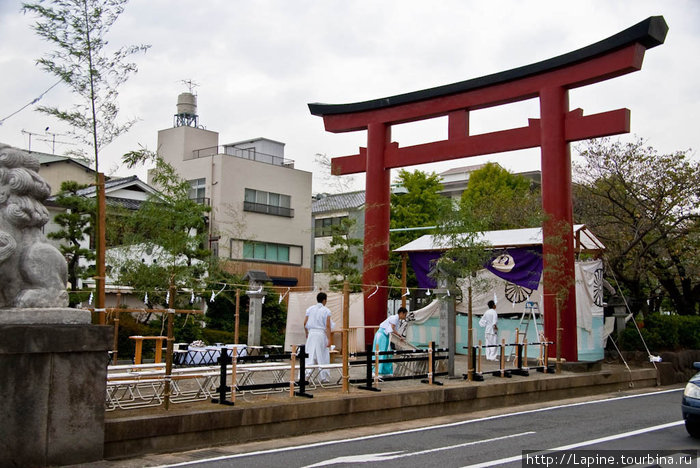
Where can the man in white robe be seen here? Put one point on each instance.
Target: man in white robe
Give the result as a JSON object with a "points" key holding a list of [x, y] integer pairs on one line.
{"points": [[317, 325], [490, 323]]}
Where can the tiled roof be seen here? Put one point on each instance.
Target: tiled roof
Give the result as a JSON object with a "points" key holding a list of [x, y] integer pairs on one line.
{"points": [[111, 183], [462, 169], [45, 158], [337, 202]]}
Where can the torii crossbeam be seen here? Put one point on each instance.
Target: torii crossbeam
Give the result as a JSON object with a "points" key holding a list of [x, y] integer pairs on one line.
{"points": [[549, 81]]}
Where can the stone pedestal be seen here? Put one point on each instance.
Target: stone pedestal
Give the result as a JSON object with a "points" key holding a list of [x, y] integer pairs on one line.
{"points": [[52, 389], [255, 317]]}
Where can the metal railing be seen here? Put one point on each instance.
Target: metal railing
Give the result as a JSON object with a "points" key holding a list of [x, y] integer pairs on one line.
{"points": [[268, 209], [244, 153]]}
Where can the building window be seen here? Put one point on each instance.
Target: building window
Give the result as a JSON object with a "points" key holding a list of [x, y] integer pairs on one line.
{"points": [[320, 263], [324, 227], [197, 190], [277, 204], [266, 251]]}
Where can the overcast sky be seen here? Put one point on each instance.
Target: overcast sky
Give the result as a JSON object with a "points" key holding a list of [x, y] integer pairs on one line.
{"points": [[259, 63]]}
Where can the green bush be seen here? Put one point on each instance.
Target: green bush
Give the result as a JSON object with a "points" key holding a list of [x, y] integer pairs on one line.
{"points": [[689, 331], [211, 336], [663, 333]]}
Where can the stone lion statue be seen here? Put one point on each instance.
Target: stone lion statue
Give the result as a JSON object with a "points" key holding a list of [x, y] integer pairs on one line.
{"points": [[33, 273]]}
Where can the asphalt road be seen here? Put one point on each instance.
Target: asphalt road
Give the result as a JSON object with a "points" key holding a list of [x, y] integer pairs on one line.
{"points": [[580, 433]]}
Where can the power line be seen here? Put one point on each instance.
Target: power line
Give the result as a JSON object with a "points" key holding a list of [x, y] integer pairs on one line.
{"points": [[34, 101]]}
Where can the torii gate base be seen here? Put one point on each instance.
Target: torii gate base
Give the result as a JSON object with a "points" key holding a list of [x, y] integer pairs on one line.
{"points": [[549, 81]]}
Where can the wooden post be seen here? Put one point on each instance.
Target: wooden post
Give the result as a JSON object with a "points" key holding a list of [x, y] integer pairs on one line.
{"points": [[430, 362], [169, 347], [234, 362], [503, 357], [138, 346], [559, 330], [525, 352], [517, 340], [159, 351], [237, 318], [293, 372], [115, 345], [376, 365], [404, 280], [100, 249], [345, 337], [478, 363], [470, 338]]}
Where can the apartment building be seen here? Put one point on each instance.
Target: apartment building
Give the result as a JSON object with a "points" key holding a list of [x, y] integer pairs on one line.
{"points": [[328, 211], [261, 205]]}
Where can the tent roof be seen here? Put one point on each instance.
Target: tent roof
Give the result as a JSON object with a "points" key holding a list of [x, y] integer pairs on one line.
{"points": [[584, 240]]}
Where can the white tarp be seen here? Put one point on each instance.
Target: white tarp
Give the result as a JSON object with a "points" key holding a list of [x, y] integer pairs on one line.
{"points": [[296, 311]]}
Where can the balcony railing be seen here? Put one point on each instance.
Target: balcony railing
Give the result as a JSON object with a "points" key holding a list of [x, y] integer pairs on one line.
{"points": [[268, 209], [201, 200], [244, 153]]}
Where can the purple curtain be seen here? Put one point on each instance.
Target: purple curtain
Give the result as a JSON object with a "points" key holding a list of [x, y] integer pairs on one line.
{"points": [[521, 266], [422, 263]]}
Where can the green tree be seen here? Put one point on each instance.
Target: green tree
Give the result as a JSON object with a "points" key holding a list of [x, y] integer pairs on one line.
{"points": [[460, 232], [504, 200], [77, 29], [418, 205], [169, 228], [343, 259], [80, 59], [644, 207], [75, 226]]}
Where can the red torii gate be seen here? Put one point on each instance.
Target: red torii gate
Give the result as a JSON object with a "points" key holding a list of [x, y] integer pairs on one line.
{"points": [[549, 81]]}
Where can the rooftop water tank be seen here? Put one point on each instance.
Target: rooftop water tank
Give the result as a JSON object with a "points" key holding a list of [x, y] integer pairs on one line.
{"points": [[187, 104]]}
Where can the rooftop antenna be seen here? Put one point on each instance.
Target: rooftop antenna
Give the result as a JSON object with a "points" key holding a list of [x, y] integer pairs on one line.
{"points": [[191, 85], [187, 107], [30, 138], [53, 140]]}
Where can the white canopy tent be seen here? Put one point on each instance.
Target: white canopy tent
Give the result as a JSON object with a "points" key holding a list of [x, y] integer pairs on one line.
{"points": [[584, 240], [512, 298]]}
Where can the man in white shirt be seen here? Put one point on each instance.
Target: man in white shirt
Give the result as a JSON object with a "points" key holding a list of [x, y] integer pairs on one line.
{"points": [[317, 326], [490, 323], [382, 339]]}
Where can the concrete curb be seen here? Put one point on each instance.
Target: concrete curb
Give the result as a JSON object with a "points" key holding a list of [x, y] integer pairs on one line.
{"points": [[205, 426]]}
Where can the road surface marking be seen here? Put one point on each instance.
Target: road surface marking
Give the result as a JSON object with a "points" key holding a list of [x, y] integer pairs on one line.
{"points": [[417, 429], [622, 435], [372, 457]]}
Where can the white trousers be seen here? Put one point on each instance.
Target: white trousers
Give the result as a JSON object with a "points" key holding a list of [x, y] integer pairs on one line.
{"points": [[491, 353], [317, 349]]}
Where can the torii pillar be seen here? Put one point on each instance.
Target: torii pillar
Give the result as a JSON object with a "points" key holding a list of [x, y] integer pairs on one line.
{"points": [[549, 81]]}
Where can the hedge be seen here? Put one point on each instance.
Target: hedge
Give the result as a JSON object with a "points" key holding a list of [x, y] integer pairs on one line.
{"points": [[663, 333]]}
